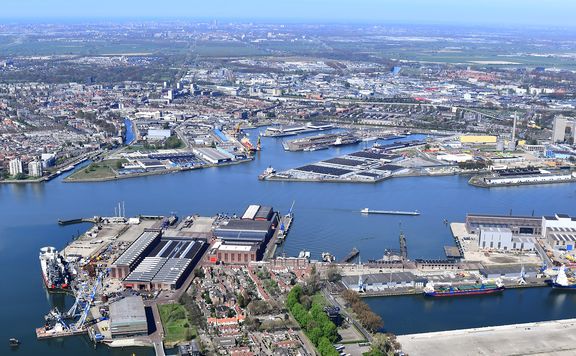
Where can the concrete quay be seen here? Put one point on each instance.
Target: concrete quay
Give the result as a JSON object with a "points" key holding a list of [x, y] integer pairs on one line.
{"points": [[557, 337]]}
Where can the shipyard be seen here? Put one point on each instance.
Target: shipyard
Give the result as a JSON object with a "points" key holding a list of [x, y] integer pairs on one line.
{"points": [[125, 270], [124, 273]]}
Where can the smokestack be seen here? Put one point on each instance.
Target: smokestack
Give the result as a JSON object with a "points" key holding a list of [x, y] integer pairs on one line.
{"points": [[514, 129]]}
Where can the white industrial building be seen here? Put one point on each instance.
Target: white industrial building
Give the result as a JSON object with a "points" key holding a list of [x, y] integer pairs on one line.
{"points": [[460, 157], [383, 281], [158, 134], [500, 238], [213, 155], [559, 231]]}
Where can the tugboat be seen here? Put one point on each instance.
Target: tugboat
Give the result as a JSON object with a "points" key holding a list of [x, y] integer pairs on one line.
{"points": [[452, 291], [267, 172], [562, 281], [304, 254], [14, 342]]}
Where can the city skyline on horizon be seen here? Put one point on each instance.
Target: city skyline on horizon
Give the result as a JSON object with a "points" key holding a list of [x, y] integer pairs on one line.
{"points": [[555, 13]]}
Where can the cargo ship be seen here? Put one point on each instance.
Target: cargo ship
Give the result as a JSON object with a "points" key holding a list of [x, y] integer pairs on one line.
{"points": [[55, 271], [247, 144], [562, 281], [471, 289]]}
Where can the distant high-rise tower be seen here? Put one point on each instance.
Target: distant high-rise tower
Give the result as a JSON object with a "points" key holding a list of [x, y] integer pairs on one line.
{"points": [[15, 167], [35, 169], [563, 129]]}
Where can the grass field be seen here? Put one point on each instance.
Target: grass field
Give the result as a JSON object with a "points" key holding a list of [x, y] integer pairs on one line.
{"points": [[97, 170], [176, 326]]}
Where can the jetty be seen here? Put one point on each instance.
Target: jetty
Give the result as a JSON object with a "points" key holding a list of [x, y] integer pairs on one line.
{"points": [[350, 256], [77, 221], [285, 223]]}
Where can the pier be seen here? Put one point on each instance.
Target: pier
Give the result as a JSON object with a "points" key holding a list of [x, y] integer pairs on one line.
{"points": [[77, 221], [556, 337], [285, 224], [42, 333], [349, 257]]}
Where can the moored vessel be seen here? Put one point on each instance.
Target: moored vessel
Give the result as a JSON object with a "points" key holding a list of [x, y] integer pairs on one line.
{"points": [[390, 212], [245, 141], [267, 172], [562, 281], [328, 257], [54, 268], [468, 289]]}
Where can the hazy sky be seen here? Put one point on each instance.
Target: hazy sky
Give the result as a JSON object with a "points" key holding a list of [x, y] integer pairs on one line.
{"points": [[503, 12]]}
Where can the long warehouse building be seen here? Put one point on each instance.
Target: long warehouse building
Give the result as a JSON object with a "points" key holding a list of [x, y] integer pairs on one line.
{"points": [[135, 253], [167, 266]]}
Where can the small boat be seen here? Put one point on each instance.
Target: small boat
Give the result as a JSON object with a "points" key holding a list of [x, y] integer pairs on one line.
{"points": [[14, 342], [304, 254], [390, 212], [328, 257], [267, 172]]}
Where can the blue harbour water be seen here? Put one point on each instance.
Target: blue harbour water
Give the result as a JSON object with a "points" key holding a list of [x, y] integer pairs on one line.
{"points": [[129, 135], [327, 218]]}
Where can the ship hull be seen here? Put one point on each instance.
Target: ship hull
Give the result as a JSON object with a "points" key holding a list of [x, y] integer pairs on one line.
{"points": [[464, 293], [46, 259], [558, 286], [48, 285]]}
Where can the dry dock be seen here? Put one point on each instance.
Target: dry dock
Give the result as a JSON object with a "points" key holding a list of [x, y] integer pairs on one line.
{"points": [[542, 338]]}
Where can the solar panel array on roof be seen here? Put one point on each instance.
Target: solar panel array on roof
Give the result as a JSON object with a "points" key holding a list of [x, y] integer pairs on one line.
{"points": [[324, 170], [368, 174], [389, 167], [517, 172], [264, 213], [344, 162], [138, 247], [171, 271], [564, 237], [146, 270], [246, 225], [369, 154], [176, 248], [561, 229]]}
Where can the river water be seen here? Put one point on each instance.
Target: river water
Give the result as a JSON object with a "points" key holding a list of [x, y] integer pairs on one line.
{"points": [[327, 218]]}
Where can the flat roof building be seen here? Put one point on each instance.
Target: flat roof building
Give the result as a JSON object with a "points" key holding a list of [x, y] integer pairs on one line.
{"points": [[246, 231], [235, 254], [135, 253], [519, 225], [383, 281], [213, 155], [128, 317], [167, 266]]}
